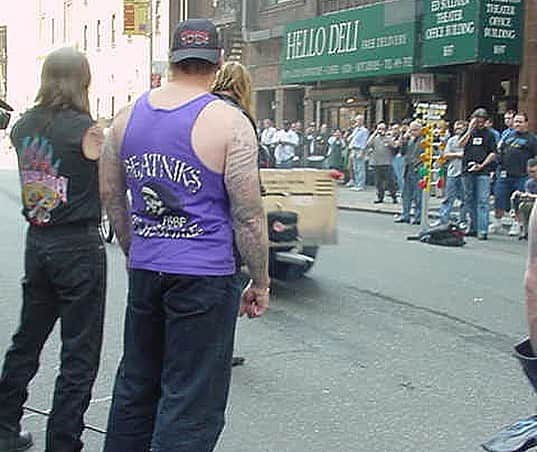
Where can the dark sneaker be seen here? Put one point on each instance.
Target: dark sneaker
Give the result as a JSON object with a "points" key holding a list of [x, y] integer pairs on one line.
{"points": [[416, 221], [378, 201], [235, 361], [482, 236], [16, 443], [401, 220]]}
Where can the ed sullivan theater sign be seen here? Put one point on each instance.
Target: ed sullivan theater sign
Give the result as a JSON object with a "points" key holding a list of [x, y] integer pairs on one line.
{"points": [[362, 42]]}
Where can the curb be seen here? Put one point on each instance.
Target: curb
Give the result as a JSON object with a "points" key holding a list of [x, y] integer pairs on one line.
{"points": [[354, 208], [365, 209]]}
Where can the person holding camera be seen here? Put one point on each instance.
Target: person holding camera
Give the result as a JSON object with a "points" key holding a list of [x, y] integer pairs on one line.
{"points": [[380, 145], [479, 146]]}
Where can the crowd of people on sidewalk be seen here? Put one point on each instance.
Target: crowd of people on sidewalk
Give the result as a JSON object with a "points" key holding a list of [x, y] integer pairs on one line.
{"points": [[475, 163]]}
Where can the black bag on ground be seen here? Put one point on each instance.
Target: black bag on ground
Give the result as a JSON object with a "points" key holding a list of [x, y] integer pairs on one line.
{"points": [[450, 234]]}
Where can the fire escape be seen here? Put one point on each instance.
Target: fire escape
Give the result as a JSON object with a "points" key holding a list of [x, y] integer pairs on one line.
{"points": [[227, 18]]}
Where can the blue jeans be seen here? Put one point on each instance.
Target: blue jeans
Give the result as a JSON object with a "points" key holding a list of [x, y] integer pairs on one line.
{"points": [[172, 384], [359, 171], [65, 281], [454, 190], [411, 193], [398, 164], [476, 201], [505, 186]]}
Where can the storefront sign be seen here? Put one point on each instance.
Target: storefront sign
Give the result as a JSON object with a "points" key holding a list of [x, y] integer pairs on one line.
{"points": [[356, 43], [137, 20], [466, 31], [422, 84]]}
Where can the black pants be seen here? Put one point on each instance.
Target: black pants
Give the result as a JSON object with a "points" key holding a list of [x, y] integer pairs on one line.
{"points": [[172, 384], [385, 180], [65, 278]]}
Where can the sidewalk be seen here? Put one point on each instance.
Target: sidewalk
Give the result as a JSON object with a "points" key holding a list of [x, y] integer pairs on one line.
{"points": [[362, 201]]}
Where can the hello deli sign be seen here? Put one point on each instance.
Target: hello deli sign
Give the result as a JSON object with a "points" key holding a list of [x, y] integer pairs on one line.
{"points": [[362, 42]]}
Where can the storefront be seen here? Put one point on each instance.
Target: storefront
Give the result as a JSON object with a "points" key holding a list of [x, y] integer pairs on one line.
{"points": [[354, 62], [364, 60]]}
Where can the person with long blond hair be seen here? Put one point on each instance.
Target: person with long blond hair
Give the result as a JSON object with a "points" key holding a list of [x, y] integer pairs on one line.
{"points": [[233, 83], [58, 146], [233, 80]]}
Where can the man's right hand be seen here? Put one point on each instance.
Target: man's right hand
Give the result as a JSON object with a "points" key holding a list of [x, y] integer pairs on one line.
{"points": [[254, 301], [473, 124]]}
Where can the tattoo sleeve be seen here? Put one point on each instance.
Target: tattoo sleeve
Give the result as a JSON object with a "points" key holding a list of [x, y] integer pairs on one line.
{"points": [[113, 186], [242, 184], [530, 280]]}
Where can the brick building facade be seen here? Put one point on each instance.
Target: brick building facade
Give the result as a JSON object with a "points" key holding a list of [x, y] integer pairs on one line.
{"points": [[254, 33], [527, 90]]}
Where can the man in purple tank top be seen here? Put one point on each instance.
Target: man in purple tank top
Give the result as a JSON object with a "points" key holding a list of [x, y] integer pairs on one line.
{"points": [[189, 161]]}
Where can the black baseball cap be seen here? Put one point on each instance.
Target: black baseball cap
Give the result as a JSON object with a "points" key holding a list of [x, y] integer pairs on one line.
{"points": [[195, 38]]}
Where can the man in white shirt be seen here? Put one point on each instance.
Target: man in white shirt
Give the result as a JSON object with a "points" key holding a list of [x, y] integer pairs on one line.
{"points": [[267, 134], [286, 141], [358, 143]]}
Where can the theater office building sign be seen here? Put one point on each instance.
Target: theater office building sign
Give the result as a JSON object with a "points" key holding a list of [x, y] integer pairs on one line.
{"points": [[363, 42], [469, 31]]}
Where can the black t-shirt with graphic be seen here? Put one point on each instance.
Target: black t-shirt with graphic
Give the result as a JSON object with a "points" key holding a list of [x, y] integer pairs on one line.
{"points": [[515, 152], [59, 185], [481, 143]]}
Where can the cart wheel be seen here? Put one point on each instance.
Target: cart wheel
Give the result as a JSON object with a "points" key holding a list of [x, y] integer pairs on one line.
{"points": [[105, 229]]}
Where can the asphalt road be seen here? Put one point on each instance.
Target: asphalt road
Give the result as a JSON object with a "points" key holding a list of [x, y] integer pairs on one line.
{"points": [[388, 345]]}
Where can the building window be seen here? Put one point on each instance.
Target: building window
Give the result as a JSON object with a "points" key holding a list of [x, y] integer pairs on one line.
{"points": [[85, 39], [42, 28], [3, 61], [275, 2], [112, 107], [52, 31], [328, 6], [98, 107], [113, 35], [98, 34], [67, 20]]}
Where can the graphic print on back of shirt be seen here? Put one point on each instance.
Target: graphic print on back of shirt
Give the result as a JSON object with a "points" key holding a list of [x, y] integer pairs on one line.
{"points": [[163, 213], [42, 188]]}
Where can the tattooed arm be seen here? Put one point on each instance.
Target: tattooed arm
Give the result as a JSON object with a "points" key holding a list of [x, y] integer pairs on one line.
{"points": [[112, 182], [530, 280], [242, 184]]}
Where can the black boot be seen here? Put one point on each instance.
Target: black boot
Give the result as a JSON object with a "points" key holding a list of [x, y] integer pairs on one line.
{"points": [[528, 360], [16, 442]]}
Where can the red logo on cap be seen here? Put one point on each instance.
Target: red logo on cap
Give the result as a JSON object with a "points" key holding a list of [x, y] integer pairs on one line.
{"points": [[195, 37]]}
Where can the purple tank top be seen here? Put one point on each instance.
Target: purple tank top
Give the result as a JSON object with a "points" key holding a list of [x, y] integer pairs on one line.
{"points": [[181, 222]]}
